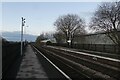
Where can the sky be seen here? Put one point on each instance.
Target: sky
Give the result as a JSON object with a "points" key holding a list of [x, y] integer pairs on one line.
{"points": [[40, 16]]}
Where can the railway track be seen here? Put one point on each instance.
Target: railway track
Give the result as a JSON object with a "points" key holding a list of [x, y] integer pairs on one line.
{"points": [[95, 58], [78, 66], [68, 71], [106, 66]]}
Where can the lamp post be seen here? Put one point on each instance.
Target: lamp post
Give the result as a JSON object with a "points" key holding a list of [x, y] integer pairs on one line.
{"points": [[23, 24]]}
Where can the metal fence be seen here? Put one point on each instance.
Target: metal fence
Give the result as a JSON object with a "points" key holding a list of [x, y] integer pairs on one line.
{"points": [[109, 48]]}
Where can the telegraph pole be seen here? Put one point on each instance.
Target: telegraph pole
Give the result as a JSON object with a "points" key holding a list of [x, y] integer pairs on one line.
{"points": [[23, 24]]}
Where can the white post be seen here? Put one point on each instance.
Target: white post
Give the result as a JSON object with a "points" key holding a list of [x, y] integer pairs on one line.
{"points": [[22, 35]]}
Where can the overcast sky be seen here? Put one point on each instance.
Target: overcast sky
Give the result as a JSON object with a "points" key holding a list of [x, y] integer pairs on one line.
{"points": [[40, 16]]}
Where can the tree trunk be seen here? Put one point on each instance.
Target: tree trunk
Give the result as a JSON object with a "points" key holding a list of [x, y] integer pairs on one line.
{"points": [[71, 44]]}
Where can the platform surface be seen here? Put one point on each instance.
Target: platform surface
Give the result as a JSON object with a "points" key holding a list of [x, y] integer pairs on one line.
{"points": [[30, 66]]}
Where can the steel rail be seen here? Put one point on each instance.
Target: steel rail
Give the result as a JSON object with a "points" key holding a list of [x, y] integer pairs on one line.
{"points": [[83, 53], [53, 64]]}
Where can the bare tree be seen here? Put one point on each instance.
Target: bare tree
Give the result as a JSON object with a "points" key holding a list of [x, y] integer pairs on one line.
{"points": [[70, 25], [107, 19]]}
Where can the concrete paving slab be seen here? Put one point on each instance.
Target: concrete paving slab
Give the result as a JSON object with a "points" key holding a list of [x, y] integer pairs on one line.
{"points": [[30, 66]]}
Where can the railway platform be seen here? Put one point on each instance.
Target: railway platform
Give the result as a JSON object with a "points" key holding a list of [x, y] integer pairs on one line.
{"points": [[35, 66], [30, 66]]}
